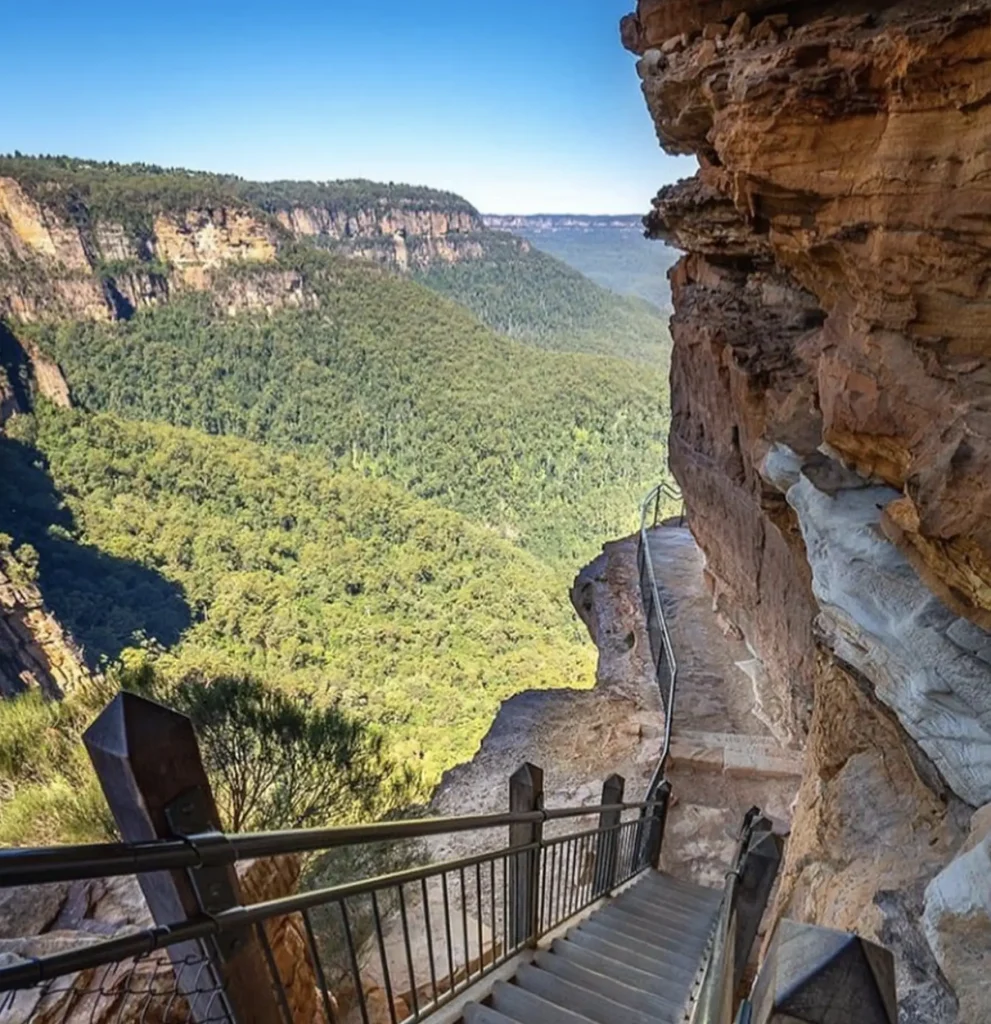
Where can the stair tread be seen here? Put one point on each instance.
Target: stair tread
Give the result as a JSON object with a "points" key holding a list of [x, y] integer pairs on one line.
{"points": [[687, 949], [670, 985], [477, 1013], [612, 987], [659, 917], [588, 1002], [660, 911], [648, 962], [528, 1008]]}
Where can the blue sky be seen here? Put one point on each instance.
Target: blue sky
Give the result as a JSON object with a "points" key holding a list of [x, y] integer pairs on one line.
{"points": [[522, 107]]}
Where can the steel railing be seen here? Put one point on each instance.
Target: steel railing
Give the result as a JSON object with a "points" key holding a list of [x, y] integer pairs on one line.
{"points": [[419, 936], [662, 652]]}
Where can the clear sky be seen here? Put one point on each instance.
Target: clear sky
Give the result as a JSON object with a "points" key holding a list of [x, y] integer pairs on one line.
{"points": [[522, 107]]}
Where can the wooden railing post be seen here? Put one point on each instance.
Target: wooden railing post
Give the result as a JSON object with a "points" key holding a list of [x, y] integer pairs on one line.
{"points": [[605, 861], [815, 975], [148, 762], [526, 793]]}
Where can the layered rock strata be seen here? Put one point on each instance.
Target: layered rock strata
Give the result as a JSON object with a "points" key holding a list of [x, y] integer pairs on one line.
{"points": [[832, 428]]}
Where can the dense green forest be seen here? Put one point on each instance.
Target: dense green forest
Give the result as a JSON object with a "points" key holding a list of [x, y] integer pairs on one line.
{"points": [[529, 295], [332, 585], [356, 520], [550, 449]]}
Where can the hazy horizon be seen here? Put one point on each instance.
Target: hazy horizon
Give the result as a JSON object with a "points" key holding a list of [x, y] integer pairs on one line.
{"points": [[522, 110]]}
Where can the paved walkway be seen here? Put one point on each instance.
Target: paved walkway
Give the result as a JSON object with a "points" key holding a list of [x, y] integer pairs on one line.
{"points": [[724, 758]]}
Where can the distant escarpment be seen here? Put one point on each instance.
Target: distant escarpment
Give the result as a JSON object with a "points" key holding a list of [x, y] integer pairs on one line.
{"points": [[831, 431], [82, 240]]}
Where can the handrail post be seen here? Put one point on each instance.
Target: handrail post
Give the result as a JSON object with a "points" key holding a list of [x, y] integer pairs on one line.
{"points": [[758, 870], [659, 816], [148, 762], [605, 862], [526, 794], [816, 975]]}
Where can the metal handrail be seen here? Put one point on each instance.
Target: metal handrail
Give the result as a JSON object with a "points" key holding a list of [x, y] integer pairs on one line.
{"points": [[714, 1001], [560, 889], [653, 608], [104, 860]]}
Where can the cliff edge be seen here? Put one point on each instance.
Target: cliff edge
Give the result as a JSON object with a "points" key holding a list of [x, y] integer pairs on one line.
{"points": [[832, 434]]}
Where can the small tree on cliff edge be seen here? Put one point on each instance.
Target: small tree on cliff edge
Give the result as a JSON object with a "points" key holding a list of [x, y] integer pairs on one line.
{"points": [[275, 761]]}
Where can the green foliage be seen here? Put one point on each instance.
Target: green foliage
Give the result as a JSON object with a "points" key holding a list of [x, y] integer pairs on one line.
{"points": [[130, 193], [280, 762], [48, 790], [527, 294], [551, 449], [330, 585]]}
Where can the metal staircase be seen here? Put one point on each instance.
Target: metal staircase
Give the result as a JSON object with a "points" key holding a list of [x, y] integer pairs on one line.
{"points": [[635, 960]]}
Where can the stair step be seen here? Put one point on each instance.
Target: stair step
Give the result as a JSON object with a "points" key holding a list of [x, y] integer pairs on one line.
{"points": [[643, 961], [476, 1013], [637, 928], [659, 911], [675, 904], [664, 885], [643, 916], [618, 991], [661, 888], [593, 1005], [527, 1008], [667, 987], [683, 953]]}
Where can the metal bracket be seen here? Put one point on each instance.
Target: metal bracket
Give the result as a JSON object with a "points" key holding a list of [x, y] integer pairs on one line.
{"points": [[188, 817]]}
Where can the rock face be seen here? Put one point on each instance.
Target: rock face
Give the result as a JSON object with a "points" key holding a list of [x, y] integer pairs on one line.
{"points": [[35, 652], [832, 429], [96, 269]]}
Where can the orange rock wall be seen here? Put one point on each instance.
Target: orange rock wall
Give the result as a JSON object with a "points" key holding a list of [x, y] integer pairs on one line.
{"points": [[832, 426]]}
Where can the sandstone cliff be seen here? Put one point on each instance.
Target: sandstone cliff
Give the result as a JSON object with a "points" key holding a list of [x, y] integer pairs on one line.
{"points": [[832, 432], [62, 257]]}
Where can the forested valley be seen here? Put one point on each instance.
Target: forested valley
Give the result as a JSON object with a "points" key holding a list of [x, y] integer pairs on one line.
{"points": [[360, 513]]}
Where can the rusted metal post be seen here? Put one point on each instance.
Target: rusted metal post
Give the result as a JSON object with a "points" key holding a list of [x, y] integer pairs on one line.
{"points": [[526, 793], [605, 861], [148, 762], [814, 975]]}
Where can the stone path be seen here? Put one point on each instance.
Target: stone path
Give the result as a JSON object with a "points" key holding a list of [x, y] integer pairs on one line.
{"points": [[724, 757]]}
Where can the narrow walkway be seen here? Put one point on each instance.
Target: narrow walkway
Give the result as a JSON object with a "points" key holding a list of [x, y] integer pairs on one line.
{"points": [[724, 757]]}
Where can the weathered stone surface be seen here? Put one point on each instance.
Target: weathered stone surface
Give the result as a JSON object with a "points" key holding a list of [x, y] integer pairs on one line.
{"points": [[957, 922], [35, 652], [831, 315], [878, 615]]}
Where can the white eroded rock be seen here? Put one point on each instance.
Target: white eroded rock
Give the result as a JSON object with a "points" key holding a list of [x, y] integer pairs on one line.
{"points": [[926, 664], [957, 924]]}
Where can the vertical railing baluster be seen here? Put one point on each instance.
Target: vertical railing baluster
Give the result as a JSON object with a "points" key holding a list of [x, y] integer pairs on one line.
{"points": [[380, 937], [353, 957], [447, 931], [311, 945], [464, 925], [492, 907], [552, 887], [273, 970], [430, 937], [505, 906], [478, 900], [409, 954]]}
